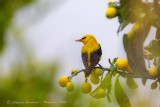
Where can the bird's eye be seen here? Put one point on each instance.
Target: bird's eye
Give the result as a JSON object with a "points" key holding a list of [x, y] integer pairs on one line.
{"points": [[84, 37]]}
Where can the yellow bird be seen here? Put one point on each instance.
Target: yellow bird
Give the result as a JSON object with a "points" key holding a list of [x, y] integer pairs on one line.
{"points": [[91, 52]]}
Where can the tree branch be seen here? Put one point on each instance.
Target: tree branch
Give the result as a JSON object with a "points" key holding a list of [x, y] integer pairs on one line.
{"points": [[124, 74]]}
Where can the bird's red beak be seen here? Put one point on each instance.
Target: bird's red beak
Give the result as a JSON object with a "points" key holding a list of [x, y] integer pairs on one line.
{"points": [[79, 40]]}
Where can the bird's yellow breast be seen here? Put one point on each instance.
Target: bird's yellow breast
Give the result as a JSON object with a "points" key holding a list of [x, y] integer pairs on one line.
{"points": [[90, 47]]}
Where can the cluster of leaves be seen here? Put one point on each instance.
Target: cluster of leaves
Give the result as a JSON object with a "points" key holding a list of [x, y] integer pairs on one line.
{"points": [[106, 84], [147, 15]]}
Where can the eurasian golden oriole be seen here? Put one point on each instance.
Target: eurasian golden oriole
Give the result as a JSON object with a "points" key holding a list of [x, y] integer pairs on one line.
{"points": [[91, 52]]}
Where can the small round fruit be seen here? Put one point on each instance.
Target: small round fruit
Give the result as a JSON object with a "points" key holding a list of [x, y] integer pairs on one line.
{"points": [[111, 12], [73, 71], [63, 81], [136, 27], [86, 87], [153, 71], [154, 85], [101, 93], [121, 64], [70, 87], [130, 34], [147, 52], [111, 3], [94, 79], [150, 57], [97, 72]]}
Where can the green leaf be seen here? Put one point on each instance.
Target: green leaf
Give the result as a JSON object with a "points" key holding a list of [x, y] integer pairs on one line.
{"points": [[154, 47], [110, 62], [118, 8], [119, 28], [115, 60], [154, 85], [144, 80], [114, 73], [131, 83], [113, 63], [109, 87], [106, 85], [123, 24], [120, 95], [134, 51]]}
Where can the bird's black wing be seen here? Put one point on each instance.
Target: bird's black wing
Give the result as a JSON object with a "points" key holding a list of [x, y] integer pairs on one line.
{"points": [[85, 60], [94, 59]]}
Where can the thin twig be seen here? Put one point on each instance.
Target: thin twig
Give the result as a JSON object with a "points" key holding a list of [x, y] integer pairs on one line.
{"points": [[122, 73]]}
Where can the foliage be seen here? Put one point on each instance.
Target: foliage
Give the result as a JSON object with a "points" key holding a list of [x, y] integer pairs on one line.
{"points": [[121, 96], [30, 83], [7, 10], [105, 84]]}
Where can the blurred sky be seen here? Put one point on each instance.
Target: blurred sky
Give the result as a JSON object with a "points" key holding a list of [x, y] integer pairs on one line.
{"points": [[54, 36]]}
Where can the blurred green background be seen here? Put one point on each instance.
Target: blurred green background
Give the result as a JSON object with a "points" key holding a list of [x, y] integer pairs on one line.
{"points": [[29, 82]]}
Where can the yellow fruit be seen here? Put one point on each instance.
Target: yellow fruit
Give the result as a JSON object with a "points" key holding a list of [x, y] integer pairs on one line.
{"points": [[153, 71], [147, 52], [111, 12], [73, 71], [111, 3], [86, 87], [121, 64], [101, 93], [136, 27], [97, 72], [130, 34], [63, 81], [70, 86], [150, 57], [94, 79]]}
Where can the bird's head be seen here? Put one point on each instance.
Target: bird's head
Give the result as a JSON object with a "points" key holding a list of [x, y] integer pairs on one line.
{"points": [[86, 38]]}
